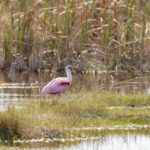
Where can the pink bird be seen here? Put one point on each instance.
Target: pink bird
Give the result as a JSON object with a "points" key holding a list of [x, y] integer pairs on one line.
{"points": [[59, 85]]}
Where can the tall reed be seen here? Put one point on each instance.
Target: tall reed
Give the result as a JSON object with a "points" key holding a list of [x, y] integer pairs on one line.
{"points": [[6, 51], [113, 33]]}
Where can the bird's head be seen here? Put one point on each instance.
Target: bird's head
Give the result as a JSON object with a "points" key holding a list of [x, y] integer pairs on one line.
{"points": [[68, 72], [68, 67]]}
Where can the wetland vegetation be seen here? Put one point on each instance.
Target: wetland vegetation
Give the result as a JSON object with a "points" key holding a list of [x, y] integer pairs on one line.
{"points": [[108, 37], [88, 34], [70, 117]]}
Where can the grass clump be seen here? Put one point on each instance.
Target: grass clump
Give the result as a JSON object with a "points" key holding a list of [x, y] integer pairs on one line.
{"points": [[10, 126]]}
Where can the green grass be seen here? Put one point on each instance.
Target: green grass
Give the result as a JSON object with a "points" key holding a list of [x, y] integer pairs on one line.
{"points": [[44, 119]]}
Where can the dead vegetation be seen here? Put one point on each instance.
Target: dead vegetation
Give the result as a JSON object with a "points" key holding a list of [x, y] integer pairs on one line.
{"points": [[101, 35]]}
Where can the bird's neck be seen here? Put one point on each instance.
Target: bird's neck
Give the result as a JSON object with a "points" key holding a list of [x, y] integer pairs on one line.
{"points": [[69, 76]]}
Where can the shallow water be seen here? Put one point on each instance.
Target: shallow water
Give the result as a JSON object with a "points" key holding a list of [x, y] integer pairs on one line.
{"points": [[117, 141], [27, 86], [114, 142]]}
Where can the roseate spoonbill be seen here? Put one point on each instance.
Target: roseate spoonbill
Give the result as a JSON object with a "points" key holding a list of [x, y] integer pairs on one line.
{"points": [[59, 85]]}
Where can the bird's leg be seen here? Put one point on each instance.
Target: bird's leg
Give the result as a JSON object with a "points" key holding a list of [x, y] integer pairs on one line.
{"points": [[48, 99], [54, 100]]}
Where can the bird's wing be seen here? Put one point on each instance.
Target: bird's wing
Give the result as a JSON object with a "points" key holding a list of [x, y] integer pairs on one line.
{"points": [[57, 85], [62, 84], [57, 81]]}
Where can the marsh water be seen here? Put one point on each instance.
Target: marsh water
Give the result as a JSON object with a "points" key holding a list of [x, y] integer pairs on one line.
{"points": [[114, 142], [26, 87]]}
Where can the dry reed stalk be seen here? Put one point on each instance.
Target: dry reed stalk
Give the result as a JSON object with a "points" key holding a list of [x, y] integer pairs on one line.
{"points": [[85, 32]]}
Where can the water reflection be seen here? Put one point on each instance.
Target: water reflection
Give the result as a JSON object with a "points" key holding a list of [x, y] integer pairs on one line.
{"points": [[114, 142], [123, 141]]}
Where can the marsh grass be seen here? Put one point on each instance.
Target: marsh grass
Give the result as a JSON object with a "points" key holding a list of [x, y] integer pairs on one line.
{"points": [[37, 119], [114, 33], [10, 126]]}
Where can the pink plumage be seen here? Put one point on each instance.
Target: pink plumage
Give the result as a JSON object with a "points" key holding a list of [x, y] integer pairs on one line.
{"points": [[58, 85]]}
